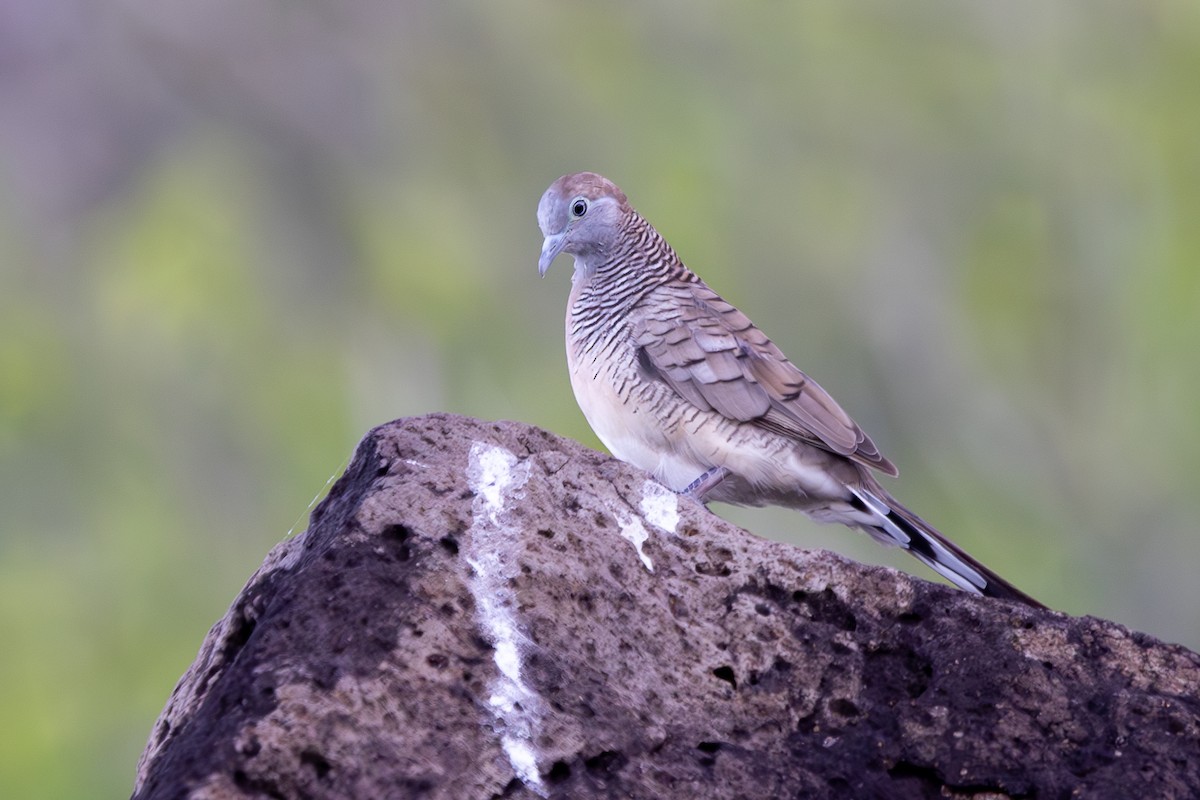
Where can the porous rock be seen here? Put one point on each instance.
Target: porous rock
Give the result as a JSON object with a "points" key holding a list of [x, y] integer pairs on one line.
{"points": [[486, 610]]}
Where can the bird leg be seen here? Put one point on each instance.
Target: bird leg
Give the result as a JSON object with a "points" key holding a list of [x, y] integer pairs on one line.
{"points": [[699, 488]]}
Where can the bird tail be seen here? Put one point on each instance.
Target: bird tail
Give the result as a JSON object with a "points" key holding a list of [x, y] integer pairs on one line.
{"points": [[897, 525]]}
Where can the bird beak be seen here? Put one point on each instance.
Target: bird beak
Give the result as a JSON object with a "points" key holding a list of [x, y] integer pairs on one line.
{"points": [[551, 247]]}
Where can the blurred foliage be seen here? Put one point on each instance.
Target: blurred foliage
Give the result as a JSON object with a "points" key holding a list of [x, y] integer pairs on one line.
{"points": [[235, 236]]}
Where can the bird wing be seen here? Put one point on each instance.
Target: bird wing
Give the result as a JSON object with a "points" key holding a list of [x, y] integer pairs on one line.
{"points": [[715, 357]]}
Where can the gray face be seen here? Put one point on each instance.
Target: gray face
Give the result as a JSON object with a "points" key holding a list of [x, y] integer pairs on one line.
{"points": [[580, 214]]}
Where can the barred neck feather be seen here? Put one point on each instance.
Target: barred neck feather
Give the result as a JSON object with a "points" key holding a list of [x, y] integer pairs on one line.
{"points": [[641, 260], [611, 284]]}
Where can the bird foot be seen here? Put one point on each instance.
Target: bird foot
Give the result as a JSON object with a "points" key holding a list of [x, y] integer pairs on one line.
{"points": [[699, 488]]}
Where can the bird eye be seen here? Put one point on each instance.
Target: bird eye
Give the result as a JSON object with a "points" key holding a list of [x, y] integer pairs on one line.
{"points": [[579, 208]]}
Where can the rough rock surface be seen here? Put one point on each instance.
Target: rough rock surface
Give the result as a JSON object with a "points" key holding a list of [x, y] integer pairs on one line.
{"points": [[486, 610]]}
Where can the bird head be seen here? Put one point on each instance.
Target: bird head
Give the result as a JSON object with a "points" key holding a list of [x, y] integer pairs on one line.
{"points": [[581, 214]]}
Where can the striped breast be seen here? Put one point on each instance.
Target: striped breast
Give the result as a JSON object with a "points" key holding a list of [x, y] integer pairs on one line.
{"points": [[640, 421]]}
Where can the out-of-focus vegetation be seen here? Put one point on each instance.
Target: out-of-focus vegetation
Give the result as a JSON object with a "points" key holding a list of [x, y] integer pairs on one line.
{"points": [[234, 236]]}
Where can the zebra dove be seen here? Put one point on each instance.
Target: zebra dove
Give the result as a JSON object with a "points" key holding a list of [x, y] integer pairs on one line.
{"points": [[678, 382]]}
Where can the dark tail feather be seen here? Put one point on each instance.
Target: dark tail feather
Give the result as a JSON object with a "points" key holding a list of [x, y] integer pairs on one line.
{"points": [[943, 556]]}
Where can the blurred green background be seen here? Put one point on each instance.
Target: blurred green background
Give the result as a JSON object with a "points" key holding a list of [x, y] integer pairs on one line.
{"points": [[234, 236]]}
